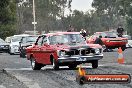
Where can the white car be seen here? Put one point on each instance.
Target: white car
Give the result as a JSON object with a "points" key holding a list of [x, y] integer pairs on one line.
{"points": [[8, 39], [129, 44], [14, 44]]}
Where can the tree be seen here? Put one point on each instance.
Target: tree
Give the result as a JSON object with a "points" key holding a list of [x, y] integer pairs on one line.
{"points": [[119, 12], [48, 13], [7, 18]]}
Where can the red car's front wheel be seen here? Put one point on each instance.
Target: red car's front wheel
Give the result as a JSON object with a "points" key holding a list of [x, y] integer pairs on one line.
{"points": [[55, 64], [95, 64]]}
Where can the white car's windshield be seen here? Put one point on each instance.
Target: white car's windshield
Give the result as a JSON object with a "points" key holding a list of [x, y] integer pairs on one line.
{"points": [[31, 38], [16, 38], [66, 39]]}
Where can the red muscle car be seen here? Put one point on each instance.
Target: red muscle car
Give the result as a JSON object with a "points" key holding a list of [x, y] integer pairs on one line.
{"points": [[63, 49], [110, 40]]}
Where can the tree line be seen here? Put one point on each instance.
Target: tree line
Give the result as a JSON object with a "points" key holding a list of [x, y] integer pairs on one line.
{"points": [[16, 16]]}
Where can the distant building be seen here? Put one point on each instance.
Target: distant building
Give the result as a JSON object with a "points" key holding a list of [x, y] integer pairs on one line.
{"points": [[32, 32]]}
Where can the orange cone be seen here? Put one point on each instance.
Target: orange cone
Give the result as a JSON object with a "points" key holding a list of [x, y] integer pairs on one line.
{"points": [[120, 56], [81, 71]]}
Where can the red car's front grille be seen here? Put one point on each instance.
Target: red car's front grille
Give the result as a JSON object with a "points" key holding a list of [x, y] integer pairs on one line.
{"points": [[80, 52]]}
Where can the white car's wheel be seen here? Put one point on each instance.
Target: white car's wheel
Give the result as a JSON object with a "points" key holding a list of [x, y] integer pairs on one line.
{"points": [[10, 51]]}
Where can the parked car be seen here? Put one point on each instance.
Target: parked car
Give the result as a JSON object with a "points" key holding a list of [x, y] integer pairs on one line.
{"points": [[4, 47], [25, 42], [110, 40], [14, 44], [63, 49], [8, 39], [129, 44]]}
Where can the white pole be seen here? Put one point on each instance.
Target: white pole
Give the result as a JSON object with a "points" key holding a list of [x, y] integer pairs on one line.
{"points": [[34, 20]]}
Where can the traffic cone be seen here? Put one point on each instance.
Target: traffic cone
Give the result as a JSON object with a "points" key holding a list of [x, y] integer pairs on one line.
{"points": [[120, 56], [81, 71]]}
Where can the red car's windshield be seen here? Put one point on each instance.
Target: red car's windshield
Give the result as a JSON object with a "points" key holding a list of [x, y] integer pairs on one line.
{"points": [[111, 35], [108, 35], [66, 39]]}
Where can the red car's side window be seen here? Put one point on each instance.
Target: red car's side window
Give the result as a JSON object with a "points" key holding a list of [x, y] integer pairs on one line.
{"points": [[39, 42], [45, 40]]}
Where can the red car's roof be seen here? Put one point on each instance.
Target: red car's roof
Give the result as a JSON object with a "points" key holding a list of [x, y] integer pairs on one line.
{"points": [[98, 32], [104, 32], [60, 33]]}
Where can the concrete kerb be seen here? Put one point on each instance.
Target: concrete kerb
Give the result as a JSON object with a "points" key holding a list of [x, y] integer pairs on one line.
{"points": [[10, 75]]}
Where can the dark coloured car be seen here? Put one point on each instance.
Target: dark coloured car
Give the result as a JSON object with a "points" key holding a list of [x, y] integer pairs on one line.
{"points": [[25, 42], [63, 49], [4, 47]]}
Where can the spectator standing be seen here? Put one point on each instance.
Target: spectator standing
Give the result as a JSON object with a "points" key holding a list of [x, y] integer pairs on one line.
{"points": [[83, 33], [99, 41], [120, 31]]}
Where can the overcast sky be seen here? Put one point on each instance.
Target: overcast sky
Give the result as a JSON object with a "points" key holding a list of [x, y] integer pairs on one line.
{"points": [[82, 5]]}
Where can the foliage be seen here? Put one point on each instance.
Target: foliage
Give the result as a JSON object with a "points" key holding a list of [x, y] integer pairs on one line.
{"points": [[7, 18], [119, 11], [50, 15], [47, 14]]}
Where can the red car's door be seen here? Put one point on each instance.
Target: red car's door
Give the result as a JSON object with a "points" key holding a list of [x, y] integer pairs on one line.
{"points": [[37, 50], [46, 51]]}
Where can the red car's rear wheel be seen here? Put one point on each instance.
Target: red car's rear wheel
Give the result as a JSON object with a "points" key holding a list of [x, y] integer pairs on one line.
{"points": [[35, 65]]}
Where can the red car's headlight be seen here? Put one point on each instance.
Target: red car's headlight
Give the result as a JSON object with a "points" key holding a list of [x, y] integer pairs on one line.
{"points": [[61, 53], [124, 41], [108, 41]]}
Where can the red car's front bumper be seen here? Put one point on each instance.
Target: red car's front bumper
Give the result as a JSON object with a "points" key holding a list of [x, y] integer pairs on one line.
{"points": [[79, 59]]}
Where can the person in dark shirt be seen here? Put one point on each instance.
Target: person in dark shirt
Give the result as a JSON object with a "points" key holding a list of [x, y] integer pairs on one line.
{"points": [[99, 41], [83, 33], [120, 31]]}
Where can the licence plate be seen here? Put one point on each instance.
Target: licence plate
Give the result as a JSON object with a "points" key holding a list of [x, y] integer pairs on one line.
{"points": [[81, 59], [5, 48], [16, 48]]}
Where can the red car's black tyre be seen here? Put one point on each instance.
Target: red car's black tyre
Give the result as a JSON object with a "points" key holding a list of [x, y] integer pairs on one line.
{"points": [[95, 64], [35, 65], [72, 66], [123, 47], [55, 65]]}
